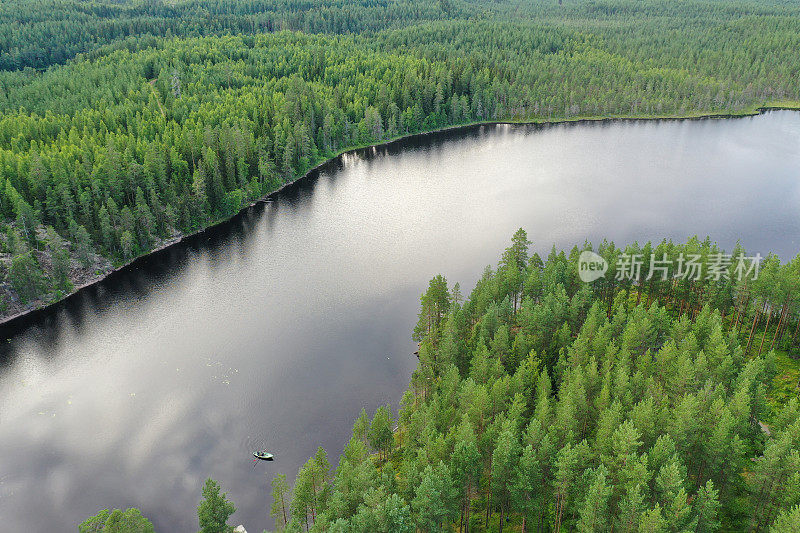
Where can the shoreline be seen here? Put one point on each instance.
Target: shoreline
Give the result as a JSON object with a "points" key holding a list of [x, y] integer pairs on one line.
{"points": [[9, 322]]}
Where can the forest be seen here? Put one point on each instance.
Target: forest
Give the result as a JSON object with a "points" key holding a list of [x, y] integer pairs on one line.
{"points": [[540, 402], [126, 125], [543, 403]]}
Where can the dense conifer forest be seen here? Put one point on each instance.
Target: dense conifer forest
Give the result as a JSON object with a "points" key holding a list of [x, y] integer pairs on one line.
{"points": [[543, 403], [540, 402], [127, 124]]}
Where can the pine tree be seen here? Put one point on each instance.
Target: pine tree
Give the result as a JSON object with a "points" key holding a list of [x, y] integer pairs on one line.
{"points": [[706, 509], [380, 431], [214, 510], [26, 277], [60, 262], [652, 521], [504, 463], [117, 521], [673, 497], [280, 503], [594, 512], [465, 464], [435, 304], [631, 507], [788, 521], [433, 503]]}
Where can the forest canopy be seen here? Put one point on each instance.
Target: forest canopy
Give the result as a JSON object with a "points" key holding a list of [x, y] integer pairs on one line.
{"points": [[124, 125], [543, 403]]}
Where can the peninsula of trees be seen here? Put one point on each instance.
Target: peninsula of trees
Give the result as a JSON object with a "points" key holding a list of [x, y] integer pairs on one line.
{"points": [[127, 124], [543, 403]]}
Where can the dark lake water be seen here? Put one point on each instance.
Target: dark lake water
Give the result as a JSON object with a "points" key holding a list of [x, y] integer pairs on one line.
{"points": [[280, 326]]}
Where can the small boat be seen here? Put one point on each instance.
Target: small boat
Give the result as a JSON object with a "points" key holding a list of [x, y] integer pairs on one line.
{"points": [[263, 455]]}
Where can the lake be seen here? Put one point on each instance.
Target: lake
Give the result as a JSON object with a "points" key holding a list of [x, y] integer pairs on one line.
{"points": [[275, 329]]}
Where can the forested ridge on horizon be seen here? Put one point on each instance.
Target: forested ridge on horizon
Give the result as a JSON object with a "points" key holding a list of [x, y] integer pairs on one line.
{"points": [[40, 33]]}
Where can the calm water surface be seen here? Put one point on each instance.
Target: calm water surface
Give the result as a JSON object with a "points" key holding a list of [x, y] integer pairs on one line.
{"points": [[279, 327]]}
